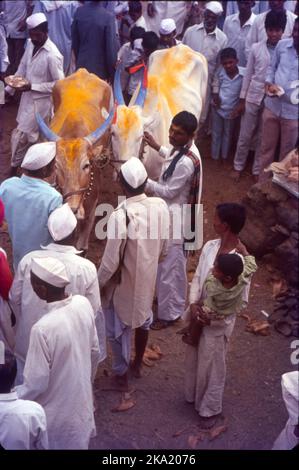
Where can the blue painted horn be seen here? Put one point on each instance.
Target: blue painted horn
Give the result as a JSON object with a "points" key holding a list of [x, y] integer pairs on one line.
{"points": [[45, 130], [143, 90], [118, 94], [97, 134]]}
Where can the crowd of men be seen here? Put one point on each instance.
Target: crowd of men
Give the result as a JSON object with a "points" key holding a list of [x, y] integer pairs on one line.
{"points": [[57, 311]]}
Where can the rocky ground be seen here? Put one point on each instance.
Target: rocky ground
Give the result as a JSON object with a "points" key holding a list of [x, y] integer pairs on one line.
{"points": [[161, 419]]}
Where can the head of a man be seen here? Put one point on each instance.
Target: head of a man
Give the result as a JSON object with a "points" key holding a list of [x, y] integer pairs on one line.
{"points": [[182, 129], [49, 279], [133, 177], [211, 14], [150, 43], [8, 372], [62, 224], [245, 6], [135, 10], [137, 32], [229, 60], [276, 5], [229, 217], [37, 29], [167, 32], [39, 161], [275, 23]]}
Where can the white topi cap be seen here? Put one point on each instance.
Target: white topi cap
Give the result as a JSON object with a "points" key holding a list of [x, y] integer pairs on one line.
{"points": [[214, 7], [35, 20], [167, 26], [50, 270], [39, 155], [62, 222], [134, 172]]}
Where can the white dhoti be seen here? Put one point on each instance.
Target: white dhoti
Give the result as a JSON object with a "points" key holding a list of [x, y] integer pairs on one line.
{"points": [[20, 143], [172, 284], [205, 368]]}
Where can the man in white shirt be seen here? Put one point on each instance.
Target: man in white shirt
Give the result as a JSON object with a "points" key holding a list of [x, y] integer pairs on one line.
{"points": [[42, 66], [209, 40], [137, 241], [135, 13], [156, 11], [29, 308], [62, 358], [253, 92], [23, 424], [15, 14], [237, 26], [258, 33], [182, 165]]}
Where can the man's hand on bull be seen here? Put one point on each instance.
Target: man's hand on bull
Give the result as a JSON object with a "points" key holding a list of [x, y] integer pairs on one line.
{"points": [[148, 138]]}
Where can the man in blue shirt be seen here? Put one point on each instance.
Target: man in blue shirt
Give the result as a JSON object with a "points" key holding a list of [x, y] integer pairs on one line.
{"points": [[29, 200], [280, 117]]}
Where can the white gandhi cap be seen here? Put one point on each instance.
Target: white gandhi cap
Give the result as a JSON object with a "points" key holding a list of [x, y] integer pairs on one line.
{"points": [[214, 7], [50, 270], [134, 172], [62, 222], [39, 155], [35, 20], [167, 26]]}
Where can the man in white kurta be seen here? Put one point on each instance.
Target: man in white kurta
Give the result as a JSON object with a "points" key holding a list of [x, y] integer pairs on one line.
{"points": [[160, 10], [42, 66], [175, 190], [257, 32], [205, 365], [209, 40], [29, 308], [137, 241], [23, 424], [62, 359], [289, 436]]}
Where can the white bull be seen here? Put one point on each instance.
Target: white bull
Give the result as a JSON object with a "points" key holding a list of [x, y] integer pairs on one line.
{"points": [[177, 81]]}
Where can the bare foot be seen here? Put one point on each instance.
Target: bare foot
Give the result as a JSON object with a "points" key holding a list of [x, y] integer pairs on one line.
{"points": [[236, 175], [211, 421], [135, 369]]}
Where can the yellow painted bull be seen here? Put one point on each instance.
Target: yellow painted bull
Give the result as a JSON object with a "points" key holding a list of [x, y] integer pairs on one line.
{"points": [[79, 126], [177, 81]]}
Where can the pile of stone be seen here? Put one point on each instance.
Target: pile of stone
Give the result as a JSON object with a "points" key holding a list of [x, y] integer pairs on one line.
{"points": [[271, 233]]}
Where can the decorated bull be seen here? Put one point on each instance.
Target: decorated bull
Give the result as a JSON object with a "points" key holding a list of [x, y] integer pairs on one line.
{"points": [[177, 80], [79, 126]]}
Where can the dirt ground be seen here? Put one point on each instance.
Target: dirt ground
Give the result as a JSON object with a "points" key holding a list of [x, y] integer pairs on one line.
{"points": [[253, 404]]}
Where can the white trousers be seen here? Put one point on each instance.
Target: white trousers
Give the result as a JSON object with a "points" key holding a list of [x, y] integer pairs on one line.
{"points": [[172, 284], [205, 368]]}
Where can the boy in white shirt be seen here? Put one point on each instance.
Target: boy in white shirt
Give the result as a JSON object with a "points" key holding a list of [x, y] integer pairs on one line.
{"points": [[23, 423]]}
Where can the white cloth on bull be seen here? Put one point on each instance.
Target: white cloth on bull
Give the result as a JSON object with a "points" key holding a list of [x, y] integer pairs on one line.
{"points": [[176, 10], [61, 364], [142, 243], [287, 439], [29, 308], [42, 70], [208, 44], [205, 367]]}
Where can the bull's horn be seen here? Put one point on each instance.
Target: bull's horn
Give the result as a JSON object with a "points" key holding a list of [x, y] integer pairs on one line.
{"points": [[118, 94], [143, 89], [45, 130], [97, 134]]}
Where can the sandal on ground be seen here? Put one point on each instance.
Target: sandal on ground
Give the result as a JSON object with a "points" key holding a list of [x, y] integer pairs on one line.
{"points": [[161, 324]]}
